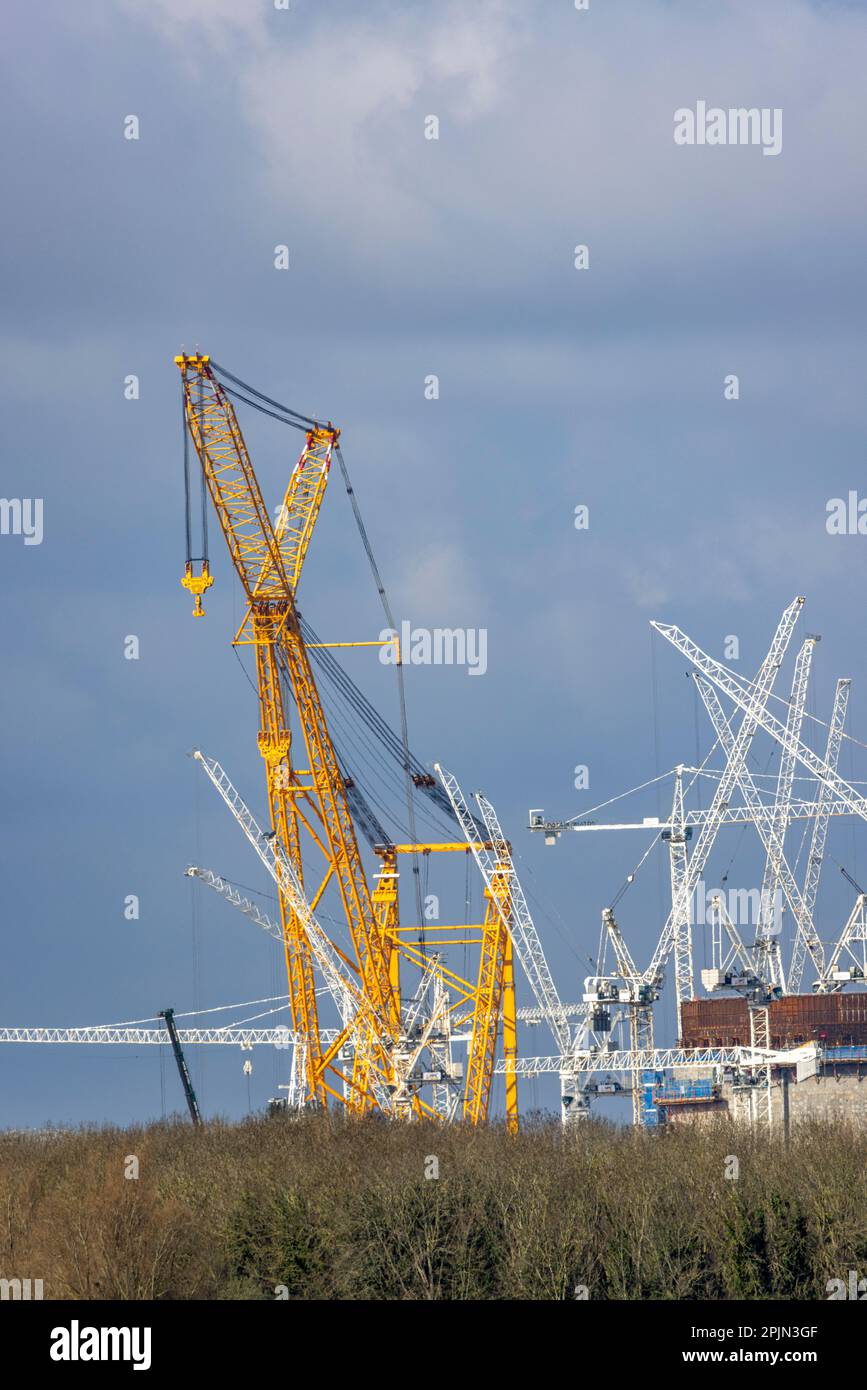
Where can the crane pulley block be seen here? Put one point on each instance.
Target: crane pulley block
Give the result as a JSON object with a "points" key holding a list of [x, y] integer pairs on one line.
{"points": [[197, 584]]}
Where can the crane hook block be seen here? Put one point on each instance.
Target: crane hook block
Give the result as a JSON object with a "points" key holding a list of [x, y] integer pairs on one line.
{"points": [[197, 584]]}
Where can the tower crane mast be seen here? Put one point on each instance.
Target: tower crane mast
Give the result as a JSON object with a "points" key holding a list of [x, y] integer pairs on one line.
{"points": [[766, 937], [806, 936]]}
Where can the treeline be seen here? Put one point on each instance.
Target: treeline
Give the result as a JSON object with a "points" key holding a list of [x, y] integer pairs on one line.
{"points": [[322, 1208]]}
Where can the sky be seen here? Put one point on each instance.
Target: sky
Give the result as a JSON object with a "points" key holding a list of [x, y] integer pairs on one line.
{"points": [[558, 387]]}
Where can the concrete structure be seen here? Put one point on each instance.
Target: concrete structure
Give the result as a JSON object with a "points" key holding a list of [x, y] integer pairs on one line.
{"points": [[837, 1092]]}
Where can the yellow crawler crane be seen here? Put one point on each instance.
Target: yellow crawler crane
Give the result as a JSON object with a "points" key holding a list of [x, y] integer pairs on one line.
{"points": [[268, 561], [312, 801]]}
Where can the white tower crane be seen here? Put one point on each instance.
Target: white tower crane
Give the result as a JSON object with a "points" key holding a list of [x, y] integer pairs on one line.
{"points": [[760, 693], [762, 815], [834, 976]]}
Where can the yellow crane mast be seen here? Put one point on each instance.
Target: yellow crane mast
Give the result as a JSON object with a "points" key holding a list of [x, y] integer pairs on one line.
{"points": [[495, 994]]}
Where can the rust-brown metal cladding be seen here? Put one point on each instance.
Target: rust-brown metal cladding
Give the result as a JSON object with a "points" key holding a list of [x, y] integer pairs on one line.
{"points": [[836, 1019]]}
